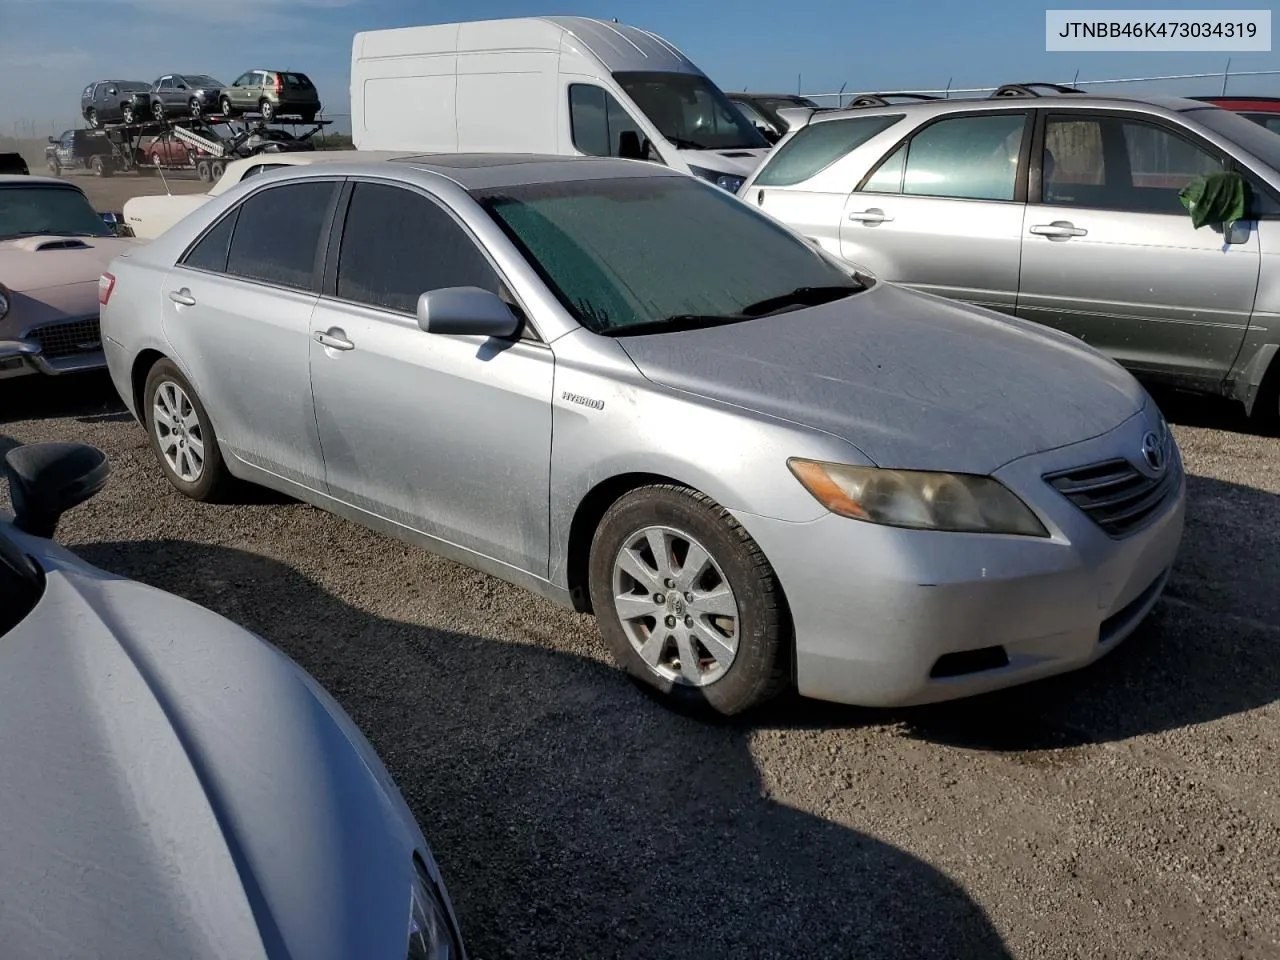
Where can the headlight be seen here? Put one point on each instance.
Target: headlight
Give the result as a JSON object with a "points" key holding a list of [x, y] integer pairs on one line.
{"points": [[726, 181], [431, 935], [4, 301], [955, 502]]}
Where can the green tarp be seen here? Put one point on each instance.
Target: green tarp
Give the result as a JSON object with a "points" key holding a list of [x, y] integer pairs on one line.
{"points": [[1217, 198]]}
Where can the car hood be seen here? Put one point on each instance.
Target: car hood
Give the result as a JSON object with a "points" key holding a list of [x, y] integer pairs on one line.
{"points": [[738, 162], [913, 380], [175, 787], [37, 263]]}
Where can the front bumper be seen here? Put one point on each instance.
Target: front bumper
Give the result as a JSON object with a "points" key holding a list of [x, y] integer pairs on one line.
{"points": [[891, 617], [29, 355]]}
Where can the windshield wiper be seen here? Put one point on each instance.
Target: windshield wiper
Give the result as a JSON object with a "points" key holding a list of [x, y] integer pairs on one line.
{"points": [[50, 233], [800, 297], [681, 144], [680, 321]]}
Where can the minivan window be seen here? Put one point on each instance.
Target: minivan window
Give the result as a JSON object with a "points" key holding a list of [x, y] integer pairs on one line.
{"points": [[644, 254], [690, 111], [397, 245], [597, 121], [278, 231], [966, 157], [817, 146]]}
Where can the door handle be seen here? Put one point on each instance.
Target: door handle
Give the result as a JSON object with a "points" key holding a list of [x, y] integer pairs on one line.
{"points": [[334, 339], [1059, 230], [183, 297], [873, 215]]}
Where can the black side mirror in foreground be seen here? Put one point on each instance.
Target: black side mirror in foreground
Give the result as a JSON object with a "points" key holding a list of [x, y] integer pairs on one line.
{"points": [[48, 479]]}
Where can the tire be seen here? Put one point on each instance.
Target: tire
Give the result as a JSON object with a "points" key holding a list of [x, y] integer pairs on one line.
{"points": [[308, 118], [169, 390], [194, 107], [127, 115], [203, 171], [216, 169], [157, 111], [55, 168], [268, 110], [91, 117], [100, 167], [737, 680], [225, 104]]}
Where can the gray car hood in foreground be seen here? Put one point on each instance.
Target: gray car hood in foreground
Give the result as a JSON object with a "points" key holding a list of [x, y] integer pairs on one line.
{"points": [[172, 786], [912, 380]]}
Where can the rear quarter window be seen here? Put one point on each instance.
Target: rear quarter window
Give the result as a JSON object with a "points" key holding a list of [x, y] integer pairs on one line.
{"points": [[817, 146]]}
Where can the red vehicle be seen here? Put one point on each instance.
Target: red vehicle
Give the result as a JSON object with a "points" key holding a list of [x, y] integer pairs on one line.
{"points": [[171, 153], [1264, 111]]}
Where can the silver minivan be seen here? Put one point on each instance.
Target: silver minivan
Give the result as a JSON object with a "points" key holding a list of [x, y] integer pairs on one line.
{"points": [[1059, 207]]}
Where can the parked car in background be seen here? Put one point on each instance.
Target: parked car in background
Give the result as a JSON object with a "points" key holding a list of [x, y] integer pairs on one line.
{"points": [[1062, 208], [1264, 111], [148, 738], [184, 95], [550, 85], [762, 110], [115, 101], [53, 248], [272, 94], [13, 163], [148, 217], [166, 150], [767, 470]]}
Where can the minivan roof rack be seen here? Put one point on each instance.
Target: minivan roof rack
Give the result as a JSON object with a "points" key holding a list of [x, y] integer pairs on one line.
{"points": [[1029, 89], [882, 99]]}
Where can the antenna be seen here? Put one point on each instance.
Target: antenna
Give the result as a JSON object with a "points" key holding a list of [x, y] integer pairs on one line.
{"points": [[160, 170]]}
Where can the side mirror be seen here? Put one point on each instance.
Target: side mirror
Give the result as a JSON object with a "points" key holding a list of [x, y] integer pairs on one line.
{"points": [[629, 147], [53, 139], [48, 479], [466, 311]]}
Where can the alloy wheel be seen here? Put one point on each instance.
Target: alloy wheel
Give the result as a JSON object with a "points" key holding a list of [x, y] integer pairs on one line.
{"points": [[178, 431], [676, 606]]}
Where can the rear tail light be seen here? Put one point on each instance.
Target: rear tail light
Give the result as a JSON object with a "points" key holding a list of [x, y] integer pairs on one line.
{"points": [[279, 84], [106, 283]]}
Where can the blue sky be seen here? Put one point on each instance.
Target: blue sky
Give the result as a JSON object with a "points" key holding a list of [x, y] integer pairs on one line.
{"points": [[49, 49]]}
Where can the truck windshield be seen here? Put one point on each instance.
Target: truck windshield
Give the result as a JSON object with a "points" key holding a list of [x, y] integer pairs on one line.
{"points": [[655, 254], [39, 209], [690, 111]]}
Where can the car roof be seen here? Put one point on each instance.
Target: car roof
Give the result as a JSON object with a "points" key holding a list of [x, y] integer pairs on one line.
{"points": [[484, 171], [940, 106]]}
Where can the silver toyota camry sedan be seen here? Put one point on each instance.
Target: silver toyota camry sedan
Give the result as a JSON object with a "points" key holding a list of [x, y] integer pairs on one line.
{"points": [[628, 391]]}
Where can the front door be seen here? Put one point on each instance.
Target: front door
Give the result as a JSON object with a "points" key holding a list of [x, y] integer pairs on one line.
{"points": [[942, 213], [447, 435], [1110, 255], [237, 310]]}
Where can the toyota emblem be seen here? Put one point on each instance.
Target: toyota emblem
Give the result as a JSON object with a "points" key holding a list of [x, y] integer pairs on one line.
{"points": [[1153, 451]]}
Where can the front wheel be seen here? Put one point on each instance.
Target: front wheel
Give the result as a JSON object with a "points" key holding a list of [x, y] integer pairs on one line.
{"points": [[181, 435], [194, 107], [127, 115], [687, 602], [225, 104], [91, 117], [157, 110]]}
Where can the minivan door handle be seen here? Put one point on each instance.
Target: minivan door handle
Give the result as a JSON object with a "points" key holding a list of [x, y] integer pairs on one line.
{"points": [[183, 297], [334, 339], [1059, 230], [872, 215]]}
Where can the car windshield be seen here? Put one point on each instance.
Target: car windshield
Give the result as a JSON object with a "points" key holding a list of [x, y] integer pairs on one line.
{"points": [[40, 209], [202, 81], [690, 111], [1256, 139], [652, 254]]}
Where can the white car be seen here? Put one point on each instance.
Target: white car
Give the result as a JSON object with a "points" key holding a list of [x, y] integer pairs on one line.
{"points": [[173, 785], [148, 217]]}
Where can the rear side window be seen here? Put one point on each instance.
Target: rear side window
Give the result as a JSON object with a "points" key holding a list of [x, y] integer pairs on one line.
{"points": [[817, 146], [967, 157], [277, 234], [397, 245], [296, 80]]}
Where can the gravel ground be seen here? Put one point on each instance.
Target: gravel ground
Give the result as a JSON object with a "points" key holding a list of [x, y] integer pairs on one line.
{"points": [[1129, 810]]}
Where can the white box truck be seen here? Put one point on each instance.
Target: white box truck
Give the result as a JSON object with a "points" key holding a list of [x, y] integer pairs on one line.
{"points": [[548, 85]]}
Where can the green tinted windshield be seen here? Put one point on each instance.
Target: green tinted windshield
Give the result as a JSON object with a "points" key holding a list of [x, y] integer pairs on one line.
{"points": [[45, 208], [647, 250]]}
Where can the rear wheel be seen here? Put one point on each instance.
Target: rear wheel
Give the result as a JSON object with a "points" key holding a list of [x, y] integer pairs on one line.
{"points": [[181, 436], [687, 602], [157, 110], [203, 171], [216, 169], [268, 110]]}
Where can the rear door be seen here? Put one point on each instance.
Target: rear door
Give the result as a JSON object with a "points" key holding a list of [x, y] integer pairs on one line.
{"points": [[1110, 255], [237, 309], [942, 211]]}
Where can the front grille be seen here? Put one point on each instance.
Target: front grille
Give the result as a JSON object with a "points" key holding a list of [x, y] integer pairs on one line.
{"points": [[1116, 495], [68, 339]]}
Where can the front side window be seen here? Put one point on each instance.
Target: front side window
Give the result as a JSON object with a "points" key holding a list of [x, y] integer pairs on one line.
{"points": [[398, 245], [690, 111], [244, 80], [1113, 163], [28, 211], [277, 233], [966, 157], [817, 146], [598, 122], [166, 83], [645, 254]]}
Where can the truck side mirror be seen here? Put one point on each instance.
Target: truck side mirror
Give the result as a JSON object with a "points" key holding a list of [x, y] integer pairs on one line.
{"points": [[629, 146]]}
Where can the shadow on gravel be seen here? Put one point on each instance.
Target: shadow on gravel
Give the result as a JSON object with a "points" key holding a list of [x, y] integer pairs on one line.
{"points": [[571, 816], [1208, 412], [1210, 649], [88, 397]]}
